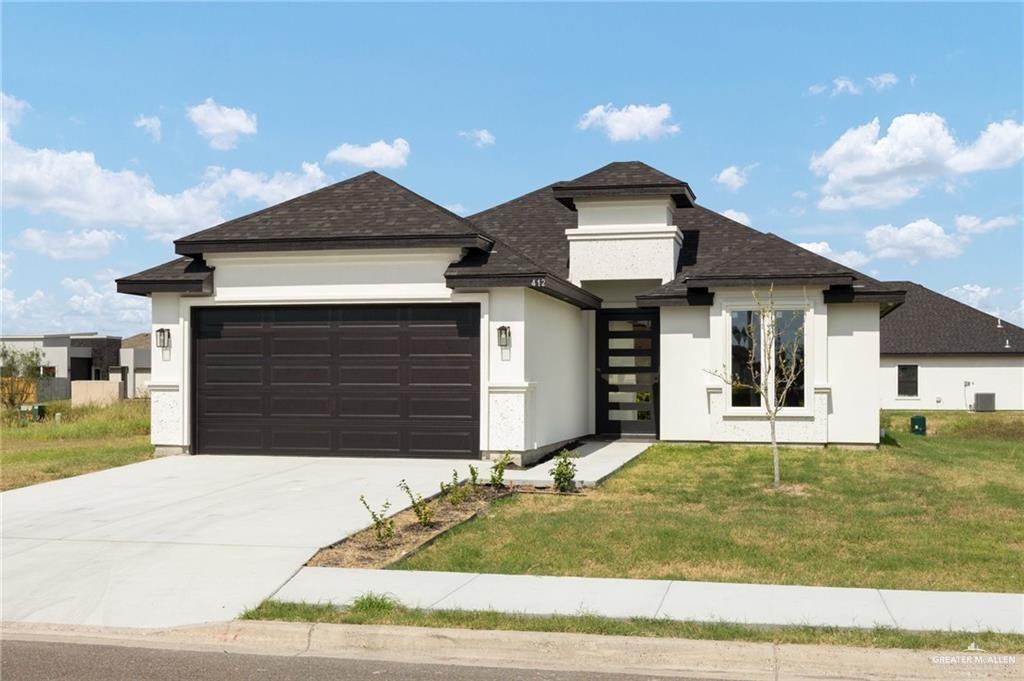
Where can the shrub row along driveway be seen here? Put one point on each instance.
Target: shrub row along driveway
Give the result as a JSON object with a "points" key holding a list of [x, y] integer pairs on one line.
{"points": [[184, 540]]}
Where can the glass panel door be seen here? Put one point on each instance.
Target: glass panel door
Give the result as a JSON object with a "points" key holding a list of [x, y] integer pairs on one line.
{"points": [[627, 372]]}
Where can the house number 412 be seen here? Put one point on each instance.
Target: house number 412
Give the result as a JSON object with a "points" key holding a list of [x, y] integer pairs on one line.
{"points": [[539, 282]]}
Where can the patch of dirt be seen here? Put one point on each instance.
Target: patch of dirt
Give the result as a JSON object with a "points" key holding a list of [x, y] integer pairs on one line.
{"points": [[793, 490], [362, 550]]}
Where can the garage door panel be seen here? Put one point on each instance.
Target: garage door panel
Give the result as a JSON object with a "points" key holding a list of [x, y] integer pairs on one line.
{"points": [[380, 380], [287, 375], [241, 375], [370, 375], [301, 405], [283, 347]]}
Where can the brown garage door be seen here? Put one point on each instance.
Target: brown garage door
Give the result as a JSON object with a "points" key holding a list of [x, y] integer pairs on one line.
{"points": [[358, 380]]}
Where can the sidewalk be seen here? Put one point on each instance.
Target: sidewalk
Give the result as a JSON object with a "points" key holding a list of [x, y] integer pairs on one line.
{"points": [[763, 604], [595, 461]]}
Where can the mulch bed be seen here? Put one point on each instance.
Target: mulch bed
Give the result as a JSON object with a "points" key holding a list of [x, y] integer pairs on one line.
{"points": [[361, 550]]}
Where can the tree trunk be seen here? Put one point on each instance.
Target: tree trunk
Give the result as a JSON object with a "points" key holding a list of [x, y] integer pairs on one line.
{"points": [[775, 455]]}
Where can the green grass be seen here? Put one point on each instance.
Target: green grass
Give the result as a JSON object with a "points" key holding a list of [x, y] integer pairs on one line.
{"points": [[943, 512], [372, 609], [87, 439]]}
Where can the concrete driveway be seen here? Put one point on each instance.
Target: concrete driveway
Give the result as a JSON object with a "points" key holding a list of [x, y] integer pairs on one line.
{"points": [[185, 540]]}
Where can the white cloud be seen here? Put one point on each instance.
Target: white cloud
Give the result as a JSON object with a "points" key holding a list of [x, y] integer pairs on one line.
{"points": [[800, 194], [918, 239], [481, 138], [864, 169], [734, 177], [79, 305], [1000, 146], [631, 122], [851, 258], [737, 215], [842, 84], [975, 295], [151, 124], [817, 89], [11, 110], [883, 81], [972, 224], [73, 185], [5, 266], [221, 125], [85, 244], [456, 208], [379, 154]]}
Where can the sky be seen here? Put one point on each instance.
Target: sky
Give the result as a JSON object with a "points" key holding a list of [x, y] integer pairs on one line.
{"points": [[886, 136]]}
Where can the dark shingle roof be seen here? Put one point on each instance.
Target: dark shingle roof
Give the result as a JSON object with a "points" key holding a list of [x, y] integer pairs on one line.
{"points": [[179, 275], [929, 323], [623, 174], [365, 207], [138, 341]]}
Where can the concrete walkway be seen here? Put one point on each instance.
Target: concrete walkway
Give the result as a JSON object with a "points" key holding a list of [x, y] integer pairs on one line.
{"points": [[595, 461], [763, 604]]}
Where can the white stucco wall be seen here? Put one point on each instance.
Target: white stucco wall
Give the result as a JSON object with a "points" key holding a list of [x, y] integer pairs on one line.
{"points": [[557, 367], [623, 239], [940, 381], [852, 373], [841, 342], [685, 354]]}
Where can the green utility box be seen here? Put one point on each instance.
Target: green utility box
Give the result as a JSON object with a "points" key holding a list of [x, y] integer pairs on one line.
{"points": [[918, 425]]}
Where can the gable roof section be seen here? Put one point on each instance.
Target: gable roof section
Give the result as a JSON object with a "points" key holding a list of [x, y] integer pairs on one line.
{"points": [[929, 323], [365, 211]]}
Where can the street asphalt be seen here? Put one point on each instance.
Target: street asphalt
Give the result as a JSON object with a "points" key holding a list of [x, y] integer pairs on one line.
{"points": [[36, 661]]}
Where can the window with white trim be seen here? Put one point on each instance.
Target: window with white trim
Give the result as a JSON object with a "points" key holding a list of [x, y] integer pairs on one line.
{"points": [[906, 380], [781, 367]]}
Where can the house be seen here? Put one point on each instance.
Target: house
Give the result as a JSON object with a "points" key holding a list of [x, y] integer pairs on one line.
{"points": [[938, 353], [67, 357], [364, 319], [133, 368]]}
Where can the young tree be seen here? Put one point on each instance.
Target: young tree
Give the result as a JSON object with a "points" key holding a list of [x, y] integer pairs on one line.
{"points": [[19, 371], [772, 367]]}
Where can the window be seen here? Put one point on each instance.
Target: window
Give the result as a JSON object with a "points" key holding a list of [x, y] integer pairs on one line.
{"points": [[906, 380], [787, 356], [746, 357]]}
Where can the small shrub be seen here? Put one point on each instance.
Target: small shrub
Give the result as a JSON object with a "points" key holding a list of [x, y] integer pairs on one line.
{"points": [[474, 475], [424, 511], [383, 527], [453, 492], [373, 604], [498, 470], [564, 472]]}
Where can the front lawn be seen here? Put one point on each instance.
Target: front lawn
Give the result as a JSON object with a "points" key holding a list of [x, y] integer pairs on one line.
{"points": [[87, 439], [942, 512]]}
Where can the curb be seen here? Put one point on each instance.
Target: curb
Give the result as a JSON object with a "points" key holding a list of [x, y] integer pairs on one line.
{"points": [[725, 660]]}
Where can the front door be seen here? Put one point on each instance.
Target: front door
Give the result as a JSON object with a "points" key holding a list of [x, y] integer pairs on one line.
{"points": [[627, 372]]}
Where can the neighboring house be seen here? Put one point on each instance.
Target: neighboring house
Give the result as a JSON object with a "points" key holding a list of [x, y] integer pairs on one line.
{"points": [[363, 319], [938, 353], [76, 356], [68, 357], [134, 365]]}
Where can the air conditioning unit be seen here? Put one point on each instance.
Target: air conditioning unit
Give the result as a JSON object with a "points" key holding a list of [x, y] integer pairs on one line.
{"points": [[984, 401]]}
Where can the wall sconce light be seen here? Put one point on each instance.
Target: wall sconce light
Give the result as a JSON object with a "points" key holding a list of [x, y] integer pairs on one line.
{"points": [[163, 338], [504, 336]]}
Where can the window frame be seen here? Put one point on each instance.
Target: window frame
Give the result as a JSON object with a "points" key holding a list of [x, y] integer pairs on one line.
{"points": [[767, 359], [917, 382]]}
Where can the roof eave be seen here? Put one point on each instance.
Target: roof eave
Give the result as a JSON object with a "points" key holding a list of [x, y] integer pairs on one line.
{"points": [[144, 287], [197, 247], [542, 282]]}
